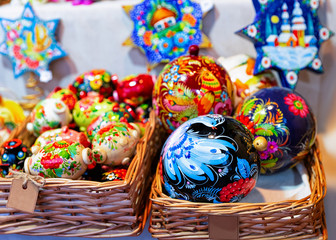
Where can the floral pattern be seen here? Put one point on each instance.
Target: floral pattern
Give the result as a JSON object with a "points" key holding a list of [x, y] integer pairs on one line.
{"points": [[57, 159], [119, 113], [97, 80], [43, 116], [89, 108], [118, 174], [296, 105], [191, 86], [164, 30], [284, 119], [30, 43], [67, 96], [200, 158]]}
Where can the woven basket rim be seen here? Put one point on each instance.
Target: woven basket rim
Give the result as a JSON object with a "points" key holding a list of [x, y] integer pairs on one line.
{"points": [[127, 200], [158, 197], [131, 170], [172, 218]]}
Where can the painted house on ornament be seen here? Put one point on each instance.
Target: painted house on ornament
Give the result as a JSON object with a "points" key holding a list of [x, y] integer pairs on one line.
{"points": [[272, 40], [286, 37], [294, 34], [310, 40]]}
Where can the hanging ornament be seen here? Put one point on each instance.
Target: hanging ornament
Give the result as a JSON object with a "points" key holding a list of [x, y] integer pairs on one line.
{"points": [[30, 44], [164, 30], [287, 36]]}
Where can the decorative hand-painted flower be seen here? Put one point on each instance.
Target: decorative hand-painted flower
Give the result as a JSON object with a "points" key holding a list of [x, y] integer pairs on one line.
{"points": [[284, 119], [30, 43], [191, 86], [96, 80], [296, 105], [165, 30], [287, 35]]}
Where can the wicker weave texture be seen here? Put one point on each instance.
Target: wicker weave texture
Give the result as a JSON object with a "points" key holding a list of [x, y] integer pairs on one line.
{"points": [[295, 219], [80, 208], [2, 2]]}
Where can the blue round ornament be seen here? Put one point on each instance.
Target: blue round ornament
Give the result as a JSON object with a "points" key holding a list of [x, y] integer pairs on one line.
{"points": [[284, 118], [210, 158]]}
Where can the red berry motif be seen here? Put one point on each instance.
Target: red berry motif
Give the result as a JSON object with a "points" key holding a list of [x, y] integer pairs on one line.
{"points": [[238, 189], [50, 161], [247, 122]]}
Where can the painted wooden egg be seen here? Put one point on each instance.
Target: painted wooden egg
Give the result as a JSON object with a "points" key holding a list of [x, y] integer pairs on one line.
{"points": [[97, 80], [66, 95], [14, 155], [117, 174], [135, 89], [90, 108], [284, 118], [59, 134], [49, 114], [60, 159], [143, 111], [116, 143], [191, 86], [120, 112], [240, 68], [210, 158]]}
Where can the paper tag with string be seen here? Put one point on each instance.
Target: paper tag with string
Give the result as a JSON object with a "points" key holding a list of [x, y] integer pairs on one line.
{"points": [[23, 196], [24, 191]]}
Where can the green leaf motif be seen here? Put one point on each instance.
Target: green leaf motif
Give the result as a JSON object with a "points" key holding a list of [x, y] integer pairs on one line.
{"points": [[64, 154], [248, 106], [58, 172], [51, 173], [259, 114], [266, 129], [273, 160], [54, 124], [73, 149]]}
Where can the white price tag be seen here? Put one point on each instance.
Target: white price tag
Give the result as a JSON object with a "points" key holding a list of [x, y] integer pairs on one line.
{"points": [[45, 76]]}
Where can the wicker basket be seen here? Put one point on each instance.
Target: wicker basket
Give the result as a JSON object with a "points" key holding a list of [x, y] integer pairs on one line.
{"points": [[81, 208], [292, 219], [2, 2]]}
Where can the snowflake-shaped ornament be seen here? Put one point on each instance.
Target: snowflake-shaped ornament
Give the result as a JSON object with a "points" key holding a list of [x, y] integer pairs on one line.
{"points": [[164, 30], [30, 43], [287, 35]]}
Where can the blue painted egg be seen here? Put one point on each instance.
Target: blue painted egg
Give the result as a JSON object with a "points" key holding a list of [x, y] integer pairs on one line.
{"points": [[284, 118], [210, 158]]}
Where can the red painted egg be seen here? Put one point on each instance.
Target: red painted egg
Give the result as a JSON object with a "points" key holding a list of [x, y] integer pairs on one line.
{"points": [[135, 89], [191, 86]]}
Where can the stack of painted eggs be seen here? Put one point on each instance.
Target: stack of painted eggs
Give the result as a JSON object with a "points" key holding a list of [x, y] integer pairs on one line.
{"points": [[211, 156], [90, 129]]}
